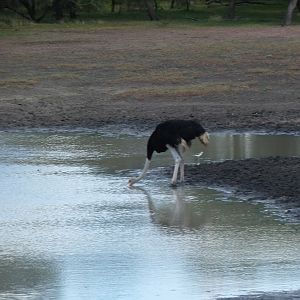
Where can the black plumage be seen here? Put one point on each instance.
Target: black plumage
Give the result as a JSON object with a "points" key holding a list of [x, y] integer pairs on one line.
{"points": [[171, 133]]}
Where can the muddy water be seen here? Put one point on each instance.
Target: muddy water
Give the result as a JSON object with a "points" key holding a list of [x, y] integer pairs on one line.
{"points": [[71, 229]]}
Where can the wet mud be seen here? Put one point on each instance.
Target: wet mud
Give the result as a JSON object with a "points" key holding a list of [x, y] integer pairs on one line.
{"points": [[293, 295], [270, 180]]}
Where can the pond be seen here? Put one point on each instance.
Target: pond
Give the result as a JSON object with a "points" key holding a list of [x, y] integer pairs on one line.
{"points": [[70, 228]]}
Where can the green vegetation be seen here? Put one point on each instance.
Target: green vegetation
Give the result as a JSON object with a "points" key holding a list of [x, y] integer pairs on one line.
{"points": [[95, 13]]}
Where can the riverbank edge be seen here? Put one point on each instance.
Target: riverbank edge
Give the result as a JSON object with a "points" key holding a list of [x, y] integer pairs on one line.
{"points": [[285, 295]]}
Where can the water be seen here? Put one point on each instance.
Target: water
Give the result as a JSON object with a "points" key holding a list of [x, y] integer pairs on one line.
{"points": [[70, 228]]}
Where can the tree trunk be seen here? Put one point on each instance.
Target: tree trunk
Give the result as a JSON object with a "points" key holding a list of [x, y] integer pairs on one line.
{"points": [[172, 4], [113, 6], [231, 10], [151, 11], [188, 3], [58, 9], [290, 10], [30, 7], [72, 9], [31, 10]]}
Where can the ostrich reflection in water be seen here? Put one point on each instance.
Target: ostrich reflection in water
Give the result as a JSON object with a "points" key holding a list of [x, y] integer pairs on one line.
{"points": [[177, 212]]}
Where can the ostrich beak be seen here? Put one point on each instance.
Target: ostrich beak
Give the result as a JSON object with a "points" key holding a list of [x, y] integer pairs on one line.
{"points": [[204, 138], [131, 182]]}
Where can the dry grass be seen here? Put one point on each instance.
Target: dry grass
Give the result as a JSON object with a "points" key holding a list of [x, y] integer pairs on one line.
{"points": [[182, 90], [288, 72], [76, 66], [64, 75], [17, 82], [152, 77]]}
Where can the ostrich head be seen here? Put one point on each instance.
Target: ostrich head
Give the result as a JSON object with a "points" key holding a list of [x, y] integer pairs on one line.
{"points": [[132, 181], [204, 138]]}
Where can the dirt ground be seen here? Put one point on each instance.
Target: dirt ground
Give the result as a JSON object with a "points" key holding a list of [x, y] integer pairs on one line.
{"points": [[228, 78]]}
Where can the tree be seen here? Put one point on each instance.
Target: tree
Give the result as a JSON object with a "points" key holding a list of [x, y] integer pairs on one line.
{"points": [[232, 5], [58, 8], [151, 10], [289, 15], [113, 6], [231, 9], [186, 3], [72, 7], [32, 10], [36, 10]]}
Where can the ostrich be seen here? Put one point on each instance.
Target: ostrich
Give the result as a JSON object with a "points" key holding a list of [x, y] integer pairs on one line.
{"points": [[176, 136]]}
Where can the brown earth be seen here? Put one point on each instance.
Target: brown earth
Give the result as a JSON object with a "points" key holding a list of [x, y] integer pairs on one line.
{"points": [[229, 78]]}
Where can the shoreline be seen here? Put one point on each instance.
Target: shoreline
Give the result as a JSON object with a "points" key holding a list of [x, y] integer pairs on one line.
{"points": [[143, 129], [247, 179]]}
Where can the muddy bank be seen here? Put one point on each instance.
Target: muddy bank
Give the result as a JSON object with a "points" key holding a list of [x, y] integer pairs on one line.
{"points": [[269, 180], [268, 296]]}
